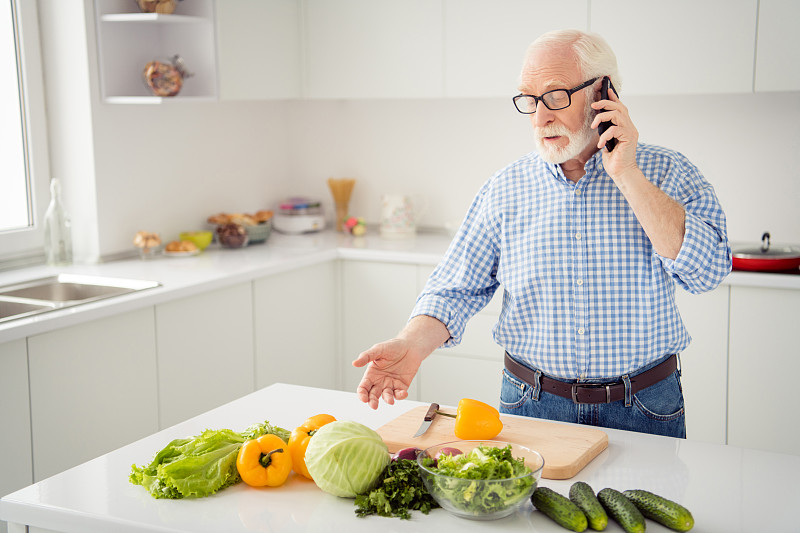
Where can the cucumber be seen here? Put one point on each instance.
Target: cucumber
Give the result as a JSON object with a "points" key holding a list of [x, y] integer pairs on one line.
{"points": [[622, 510], [583, 496], [662, 510], [559, 508]]}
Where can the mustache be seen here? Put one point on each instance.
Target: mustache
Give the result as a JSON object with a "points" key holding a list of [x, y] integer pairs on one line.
{"points": [[552, 130]]}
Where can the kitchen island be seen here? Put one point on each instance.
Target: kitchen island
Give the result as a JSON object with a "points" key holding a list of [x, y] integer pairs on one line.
{"points": [[727, 488]]}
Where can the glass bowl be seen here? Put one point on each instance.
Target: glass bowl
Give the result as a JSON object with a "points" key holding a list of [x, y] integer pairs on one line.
{"points": [[480, 499], [150, 252], [232, 235]]}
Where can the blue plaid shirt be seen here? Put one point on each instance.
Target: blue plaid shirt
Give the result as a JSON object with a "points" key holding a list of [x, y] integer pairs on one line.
{"points": [[585, 294]]}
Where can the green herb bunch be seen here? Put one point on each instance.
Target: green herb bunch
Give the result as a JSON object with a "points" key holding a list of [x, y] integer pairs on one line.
{"points": [[399, 491]]}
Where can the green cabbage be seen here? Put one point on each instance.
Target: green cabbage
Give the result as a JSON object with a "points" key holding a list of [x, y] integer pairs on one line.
{"points": [[346, 458]]}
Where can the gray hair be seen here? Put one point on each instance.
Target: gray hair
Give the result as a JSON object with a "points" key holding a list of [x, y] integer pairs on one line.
{"points": [[593, 55]]}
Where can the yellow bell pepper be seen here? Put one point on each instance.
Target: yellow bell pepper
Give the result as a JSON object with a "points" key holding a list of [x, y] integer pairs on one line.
{"points": [[475, 420], [264, 461], [301, 436]]}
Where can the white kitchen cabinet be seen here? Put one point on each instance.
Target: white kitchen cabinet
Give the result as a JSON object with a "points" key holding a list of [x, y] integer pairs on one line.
{"points": [[205, 352], [373, 49], [15, 438], [128, 39], [259, 46], [778, 50], [295, 327], [485, 42], [471, 369], [377, 299], [92, 389], [704, 364], [682, 46], [764, 365]]}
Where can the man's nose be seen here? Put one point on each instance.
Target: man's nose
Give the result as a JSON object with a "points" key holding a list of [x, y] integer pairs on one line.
{"points": [[543, 115]]}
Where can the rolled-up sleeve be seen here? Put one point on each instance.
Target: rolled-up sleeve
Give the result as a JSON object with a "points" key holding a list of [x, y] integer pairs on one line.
{"points": [[705, 255], [464, 281]]}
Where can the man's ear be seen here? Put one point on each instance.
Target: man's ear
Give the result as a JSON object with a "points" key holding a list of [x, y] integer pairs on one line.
{"points": [[596, 87]]}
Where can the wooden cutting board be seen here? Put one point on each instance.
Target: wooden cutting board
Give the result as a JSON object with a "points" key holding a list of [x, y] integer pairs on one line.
{"points": [[566, 448]]}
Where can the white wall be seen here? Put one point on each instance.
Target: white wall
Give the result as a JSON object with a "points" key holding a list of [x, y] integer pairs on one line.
{"points": [[166, 168], [445, 149]]}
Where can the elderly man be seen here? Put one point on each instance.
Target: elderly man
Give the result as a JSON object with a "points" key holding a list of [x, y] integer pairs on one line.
{"points": [[588, 245]]}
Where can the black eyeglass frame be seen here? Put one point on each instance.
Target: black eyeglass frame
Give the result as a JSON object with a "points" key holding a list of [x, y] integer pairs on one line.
{"points": [[537, 99]]}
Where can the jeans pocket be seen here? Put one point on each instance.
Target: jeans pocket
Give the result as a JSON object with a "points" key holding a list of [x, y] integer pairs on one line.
{"points": [[513, 393], [663, 401]]}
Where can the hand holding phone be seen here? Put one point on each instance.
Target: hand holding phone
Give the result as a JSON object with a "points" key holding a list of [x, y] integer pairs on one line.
{"points": [[601, 129]]}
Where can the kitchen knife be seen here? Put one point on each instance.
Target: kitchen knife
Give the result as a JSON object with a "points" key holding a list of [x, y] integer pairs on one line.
{"points": [[426, 422]]}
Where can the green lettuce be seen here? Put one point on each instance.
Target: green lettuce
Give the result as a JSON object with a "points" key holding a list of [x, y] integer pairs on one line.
{"points": [[198, 466], [484, 481]]}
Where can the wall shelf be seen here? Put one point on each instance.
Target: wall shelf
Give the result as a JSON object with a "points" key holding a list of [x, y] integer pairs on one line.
{"points": [[153, 18], [151, 100], [128, 39]]}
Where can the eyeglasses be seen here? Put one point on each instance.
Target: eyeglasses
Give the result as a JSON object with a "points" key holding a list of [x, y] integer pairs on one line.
{"points": [[553, 100]]}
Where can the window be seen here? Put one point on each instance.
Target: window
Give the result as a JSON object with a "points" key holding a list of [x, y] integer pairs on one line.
{"points": [[15, 207], [23, 137]]}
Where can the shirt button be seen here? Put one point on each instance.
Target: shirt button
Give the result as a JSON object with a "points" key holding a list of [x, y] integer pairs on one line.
{"points": [[577, 193], [579, 282], [578, 236], [580, 331]]}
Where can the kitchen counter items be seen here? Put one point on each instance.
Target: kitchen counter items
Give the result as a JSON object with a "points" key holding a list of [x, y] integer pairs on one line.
{"points": [[97, 497]]}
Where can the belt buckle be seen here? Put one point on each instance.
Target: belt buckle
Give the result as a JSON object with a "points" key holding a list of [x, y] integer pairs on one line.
{"points": [[597, 386]]}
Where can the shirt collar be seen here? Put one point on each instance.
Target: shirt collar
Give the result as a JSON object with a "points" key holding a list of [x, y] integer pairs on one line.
{"points": [[592, 167]]}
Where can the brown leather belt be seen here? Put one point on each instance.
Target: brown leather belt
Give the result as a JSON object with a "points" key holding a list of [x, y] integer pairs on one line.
{"points": [[594, 393]]}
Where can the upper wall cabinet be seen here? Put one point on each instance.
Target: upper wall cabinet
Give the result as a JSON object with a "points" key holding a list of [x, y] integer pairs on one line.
{"points": [[373, 49], [778, 51], [259, 45], [485, 42], [128, 39], [681, 46]]}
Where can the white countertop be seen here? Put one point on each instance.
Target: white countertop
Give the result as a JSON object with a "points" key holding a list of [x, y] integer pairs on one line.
{"points": [[217, 268], [727, 488]]}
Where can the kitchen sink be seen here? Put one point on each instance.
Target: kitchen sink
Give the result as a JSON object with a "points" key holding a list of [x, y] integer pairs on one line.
{"points": [[11, 310], [36, 296]]}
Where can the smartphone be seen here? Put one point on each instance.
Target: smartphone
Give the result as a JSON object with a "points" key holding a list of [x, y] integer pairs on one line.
{"points": [[601, 129]]}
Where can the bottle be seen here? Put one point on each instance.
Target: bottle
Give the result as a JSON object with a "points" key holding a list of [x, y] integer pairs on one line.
{"points": [[57, 230]]}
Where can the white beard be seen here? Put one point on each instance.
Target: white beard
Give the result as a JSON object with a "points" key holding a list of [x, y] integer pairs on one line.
{"points": [[578, 140]]}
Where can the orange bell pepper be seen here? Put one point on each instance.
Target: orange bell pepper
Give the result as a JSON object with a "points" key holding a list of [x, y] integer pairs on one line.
{"points": [[300, 438], [264, 461], [476, 420]]}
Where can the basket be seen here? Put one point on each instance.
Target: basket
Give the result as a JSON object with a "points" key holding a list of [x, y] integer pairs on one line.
{"points": [[260, 232], [163, 7]]}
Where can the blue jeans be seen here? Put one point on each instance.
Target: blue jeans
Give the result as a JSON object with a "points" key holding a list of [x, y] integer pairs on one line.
{"points": [[658, 409]]}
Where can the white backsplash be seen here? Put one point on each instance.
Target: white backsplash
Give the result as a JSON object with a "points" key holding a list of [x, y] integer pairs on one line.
{"points": [[166, 168]]}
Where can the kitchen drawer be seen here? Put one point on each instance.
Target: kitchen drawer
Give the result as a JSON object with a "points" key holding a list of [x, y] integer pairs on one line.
{"points": [[205, 352], [15, 438], [295, 327], [93, 389], [377, 299]]}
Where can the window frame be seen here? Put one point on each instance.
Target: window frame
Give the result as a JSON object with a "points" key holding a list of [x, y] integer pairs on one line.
{"points": [[22, 246]]}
